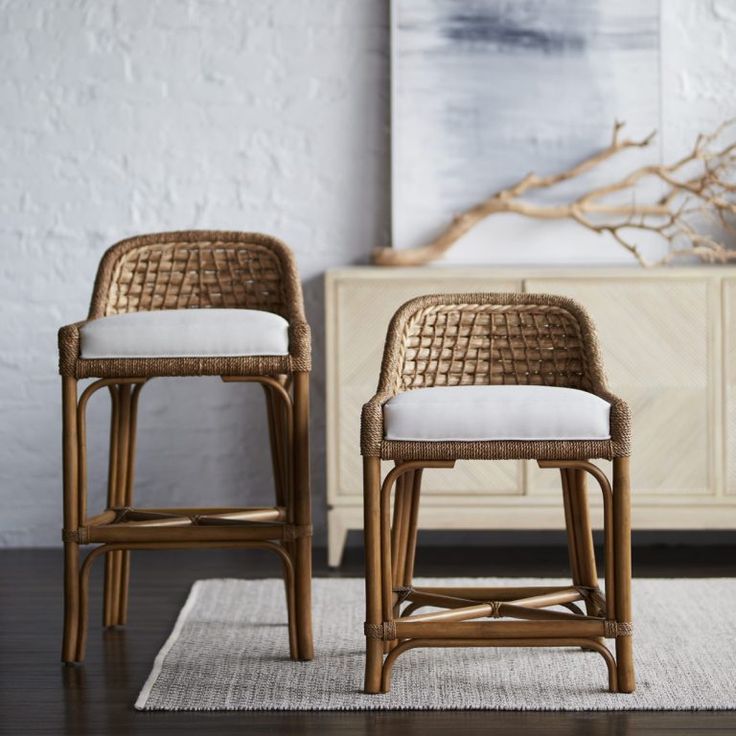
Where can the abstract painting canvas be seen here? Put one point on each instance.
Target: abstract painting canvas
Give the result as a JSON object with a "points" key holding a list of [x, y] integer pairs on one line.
{"points": [[485, 91]]}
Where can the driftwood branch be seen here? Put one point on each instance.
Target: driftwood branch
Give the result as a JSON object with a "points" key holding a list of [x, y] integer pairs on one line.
{"points": [[689, 200]]}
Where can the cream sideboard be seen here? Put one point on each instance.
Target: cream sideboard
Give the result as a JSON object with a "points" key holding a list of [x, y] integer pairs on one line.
{"points": [[669, 345]]}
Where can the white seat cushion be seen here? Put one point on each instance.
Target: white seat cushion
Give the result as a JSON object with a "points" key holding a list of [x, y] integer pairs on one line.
{"points": [[447, 413], [175, 333]]}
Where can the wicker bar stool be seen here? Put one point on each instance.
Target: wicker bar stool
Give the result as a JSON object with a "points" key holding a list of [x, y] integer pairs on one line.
{"points": [[187, 304], [494, 377]]}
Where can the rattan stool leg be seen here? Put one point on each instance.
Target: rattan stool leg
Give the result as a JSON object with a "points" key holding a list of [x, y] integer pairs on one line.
{"points": [[70, 451], [372, 542], [622, 572], [412, 532], [580, 531], [570, 530], [278, 434], [403, 494], [124, 582], [302, 516], [116, 493], [398, 528], [290, 590], [401, 529], [276, 437]]}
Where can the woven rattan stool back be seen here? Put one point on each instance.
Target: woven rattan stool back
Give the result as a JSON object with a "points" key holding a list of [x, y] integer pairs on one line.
{"points": [[196, 269], [489, 339]]}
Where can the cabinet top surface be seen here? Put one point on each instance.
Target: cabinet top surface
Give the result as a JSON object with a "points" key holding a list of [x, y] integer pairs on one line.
{"points": [[530, 272]]}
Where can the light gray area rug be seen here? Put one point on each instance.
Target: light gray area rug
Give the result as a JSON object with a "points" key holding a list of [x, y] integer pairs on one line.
{"points": [[229, 651]]}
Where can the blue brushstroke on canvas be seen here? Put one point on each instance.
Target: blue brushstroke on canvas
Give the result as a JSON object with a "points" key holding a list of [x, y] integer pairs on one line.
{"points": [[488, 90]]}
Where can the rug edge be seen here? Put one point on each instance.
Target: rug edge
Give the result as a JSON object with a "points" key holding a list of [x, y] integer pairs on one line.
{"points": [[145, 693]]}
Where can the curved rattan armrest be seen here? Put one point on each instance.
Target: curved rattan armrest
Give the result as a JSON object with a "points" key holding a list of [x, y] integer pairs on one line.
{"points": [[620, 421], [300, 345], [69, 348], [371, 424]]}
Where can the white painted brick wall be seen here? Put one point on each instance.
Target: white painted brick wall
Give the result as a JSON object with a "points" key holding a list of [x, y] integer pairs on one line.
{"points": [[119, 117], [698, 70], [132, 116]]}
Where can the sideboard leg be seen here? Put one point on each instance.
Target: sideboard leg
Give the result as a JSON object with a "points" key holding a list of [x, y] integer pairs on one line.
{"points": [[337, 536]]}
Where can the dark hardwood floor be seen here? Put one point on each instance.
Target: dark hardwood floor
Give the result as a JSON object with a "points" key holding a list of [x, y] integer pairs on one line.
{"points": [[40, 696]]}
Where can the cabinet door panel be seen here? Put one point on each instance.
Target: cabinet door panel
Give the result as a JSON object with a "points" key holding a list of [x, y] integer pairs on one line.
{"points": [[729, 371], [360, 312], [659, 353]]}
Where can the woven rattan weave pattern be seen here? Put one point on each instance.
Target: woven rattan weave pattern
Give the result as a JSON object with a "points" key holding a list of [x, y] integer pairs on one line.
{"points": [[194, 269], [489, 339], [491, 344], [185, 270]]}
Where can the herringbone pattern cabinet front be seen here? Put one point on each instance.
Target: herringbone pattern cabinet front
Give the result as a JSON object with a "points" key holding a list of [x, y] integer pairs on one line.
{"points": [[667, 347]]}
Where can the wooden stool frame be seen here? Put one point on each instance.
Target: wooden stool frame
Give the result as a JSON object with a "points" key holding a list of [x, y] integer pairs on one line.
{"points": [[518, 616], [284, 529]]}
